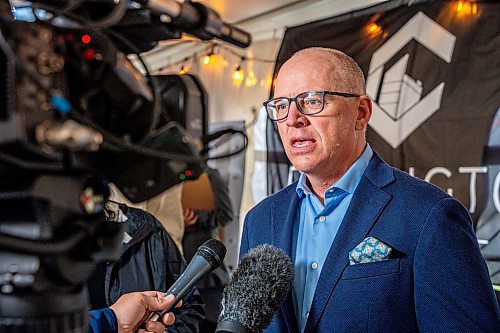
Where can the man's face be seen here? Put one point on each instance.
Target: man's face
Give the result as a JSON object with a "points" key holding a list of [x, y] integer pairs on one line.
{"points": [[322, 145]]}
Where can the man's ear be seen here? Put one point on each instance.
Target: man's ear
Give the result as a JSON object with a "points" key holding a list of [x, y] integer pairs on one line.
{"points": [[364, 112]]}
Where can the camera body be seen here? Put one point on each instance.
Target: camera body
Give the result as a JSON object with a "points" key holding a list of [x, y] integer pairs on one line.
{"points": [[109, 99], [76, 114]]}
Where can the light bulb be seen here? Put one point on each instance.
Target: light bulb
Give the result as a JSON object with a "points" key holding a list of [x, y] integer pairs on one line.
{"points": [[208, 58], [251, 80], [238, 74], [373, 29]]}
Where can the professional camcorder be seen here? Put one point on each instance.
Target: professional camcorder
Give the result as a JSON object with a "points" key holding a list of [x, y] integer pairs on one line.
{"points": [[76, 114]]}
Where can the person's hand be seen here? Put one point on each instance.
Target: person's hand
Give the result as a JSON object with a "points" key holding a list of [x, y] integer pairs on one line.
{"points": [[190, 217], [133, 308]]}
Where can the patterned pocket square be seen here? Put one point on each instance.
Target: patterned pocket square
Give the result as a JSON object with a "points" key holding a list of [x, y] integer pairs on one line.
{"points": [[369, 250]]}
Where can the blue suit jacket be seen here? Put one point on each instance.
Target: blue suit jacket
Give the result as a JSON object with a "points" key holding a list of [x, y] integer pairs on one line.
{"points": [[435, 280]]}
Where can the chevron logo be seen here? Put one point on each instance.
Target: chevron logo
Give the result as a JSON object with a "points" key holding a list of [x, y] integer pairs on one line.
{"points": [[398, 105]]}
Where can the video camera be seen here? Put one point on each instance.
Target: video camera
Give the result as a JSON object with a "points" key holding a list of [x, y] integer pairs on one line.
{"points": [[75, 114]]}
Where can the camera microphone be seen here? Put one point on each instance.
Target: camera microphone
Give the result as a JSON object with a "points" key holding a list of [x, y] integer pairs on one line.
{"points": [[199, 20], [207, 258], [257, 288]]}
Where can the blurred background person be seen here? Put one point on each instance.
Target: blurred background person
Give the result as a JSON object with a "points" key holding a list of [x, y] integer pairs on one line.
{"points": [[166, 207], [202, 225]]}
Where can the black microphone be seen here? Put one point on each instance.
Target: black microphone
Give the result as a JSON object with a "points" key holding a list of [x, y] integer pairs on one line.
{"points": [[257, 288], [199, 20], [207, 258]]}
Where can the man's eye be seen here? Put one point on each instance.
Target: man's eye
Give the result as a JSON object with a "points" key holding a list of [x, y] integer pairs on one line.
{"points": [[312, 102], [281, 107]]}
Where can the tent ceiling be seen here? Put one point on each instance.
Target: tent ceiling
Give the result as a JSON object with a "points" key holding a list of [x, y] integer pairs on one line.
{"points": [[235, 11]]}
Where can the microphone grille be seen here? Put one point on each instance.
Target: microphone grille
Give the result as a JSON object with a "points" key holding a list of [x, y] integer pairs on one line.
{"points": [[257, 288], [213, 251]]}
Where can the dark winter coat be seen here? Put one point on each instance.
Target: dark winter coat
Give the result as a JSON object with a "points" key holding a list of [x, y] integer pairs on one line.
{"points": [[150, 260]]}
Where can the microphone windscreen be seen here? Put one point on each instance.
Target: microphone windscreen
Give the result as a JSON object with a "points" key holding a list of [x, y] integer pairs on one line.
{"points": [[257, 287]]}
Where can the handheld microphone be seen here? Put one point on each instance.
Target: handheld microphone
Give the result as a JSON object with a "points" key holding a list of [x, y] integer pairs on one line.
{"points": [[207, 258], [257, 288]]}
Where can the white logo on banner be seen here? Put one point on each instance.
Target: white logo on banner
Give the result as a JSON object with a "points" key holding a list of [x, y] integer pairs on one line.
{"points": [[401, 108]]}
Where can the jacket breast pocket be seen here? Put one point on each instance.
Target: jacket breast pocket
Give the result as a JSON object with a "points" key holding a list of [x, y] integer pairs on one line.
{"points": [[359, 271]]}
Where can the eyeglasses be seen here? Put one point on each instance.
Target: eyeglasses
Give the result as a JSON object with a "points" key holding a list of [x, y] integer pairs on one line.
{"points": [[308, 103]]}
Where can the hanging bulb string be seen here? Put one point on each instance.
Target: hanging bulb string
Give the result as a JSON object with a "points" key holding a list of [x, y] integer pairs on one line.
{"points": [[228, 50], [238, 73], [211, 50]]}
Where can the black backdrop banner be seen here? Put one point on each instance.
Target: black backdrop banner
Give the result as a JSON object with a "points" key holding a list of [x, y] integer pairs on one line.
{"points": [[433, 73]]}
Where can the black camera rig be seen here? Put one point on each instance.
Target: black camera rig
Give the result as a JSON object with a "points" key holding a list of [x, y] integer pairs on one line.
{"points": [[75, 114]]}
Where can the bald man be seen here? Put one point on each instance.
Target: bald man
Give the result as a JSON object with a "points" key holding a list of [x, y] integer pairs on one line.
{"points": [[375, 249]]}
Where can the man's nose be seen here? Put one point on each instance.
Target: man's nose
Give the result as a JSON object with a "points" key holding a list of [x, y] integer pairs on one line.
{"points": [[294, 115]]}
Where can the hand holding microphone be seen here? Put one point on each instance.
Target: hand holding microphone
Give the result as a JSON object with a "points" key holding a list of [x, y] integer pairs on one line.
{"points": [[207, 258], [130, 309]]}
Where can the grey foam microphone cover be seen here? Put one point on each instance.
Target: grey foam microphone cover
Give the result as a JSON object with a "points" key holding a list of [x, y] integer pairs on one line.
{"points": [[258, 286]]}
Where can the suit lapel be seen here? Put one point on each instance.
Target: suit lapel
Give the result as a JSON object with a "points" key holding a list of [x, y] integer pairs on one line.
{"points": [[285, 217], [284, 214], [368, 202]]}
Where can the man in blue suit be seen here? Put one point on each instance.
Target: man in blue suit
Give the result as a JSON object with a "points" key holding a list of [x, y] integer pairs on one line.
{"points": [[375, 250]]}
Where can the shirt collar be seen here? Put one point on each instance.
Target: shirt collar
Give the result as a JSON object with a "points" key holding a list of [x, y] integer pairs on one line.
{"points": [[348, 182]]}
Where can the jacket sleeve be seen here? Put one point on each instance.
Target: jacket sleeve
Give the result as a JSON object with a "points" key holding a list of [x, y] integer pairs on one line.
{"points": [[453, 292], [102, 321], [189, 316]]}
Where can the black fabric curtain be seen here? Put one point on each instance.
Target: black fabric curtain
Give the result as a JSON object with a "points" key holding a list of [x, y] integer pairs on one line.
{"points": [[452, 138], [433, 72]]}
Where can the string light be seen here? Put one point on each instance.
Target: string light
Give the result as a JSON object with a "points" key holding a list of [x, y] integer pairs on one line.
{"points": [[373, 29], [183, 70], [209, 58], [206, 59], [250, 80], [238, 73], [466, 8]]}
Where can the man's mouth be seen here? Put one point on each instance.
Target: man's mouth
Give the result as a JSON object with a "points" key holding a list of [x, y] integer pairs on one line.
{"points": [[301, 142]]}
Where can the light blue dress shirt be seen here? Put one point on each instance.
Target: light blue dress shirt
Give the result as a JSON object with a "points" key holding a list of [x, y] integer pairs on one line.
{"points": [[317, 229]]}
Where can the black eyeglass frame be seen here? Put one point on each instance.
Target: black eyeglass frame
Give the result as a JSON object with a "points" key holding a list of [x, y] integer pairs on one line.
{"points": [[294, 99]]}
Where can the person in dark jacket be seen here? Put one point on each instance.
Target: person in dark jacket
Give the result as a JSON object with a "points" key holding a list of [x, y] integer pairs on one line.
{"points": [[149, 260], [201, 225]]}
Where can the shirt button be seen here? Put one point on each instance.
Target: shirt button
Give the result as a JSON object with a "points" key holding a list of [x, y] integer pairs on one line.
{"points": [[322, 219], [314, 265], [307, 314], [331, 191]]}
